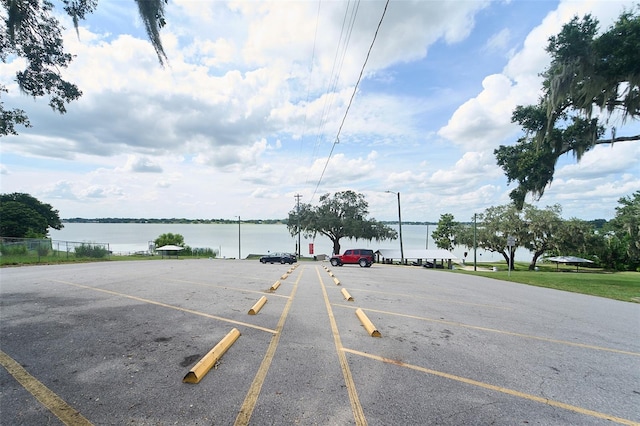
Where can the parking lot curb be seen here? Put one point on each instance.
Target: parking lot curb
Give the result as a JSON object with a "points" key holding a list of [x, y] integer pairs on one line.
{"points": [[208, 361], [346, 295], [366, 322], [275, 286], [258, 305]]}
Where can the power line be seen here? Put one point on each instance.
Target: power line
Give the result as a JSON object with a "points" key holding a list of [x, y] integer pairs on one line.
{"points": [[355, 89], [313, 56], [336, 70]]}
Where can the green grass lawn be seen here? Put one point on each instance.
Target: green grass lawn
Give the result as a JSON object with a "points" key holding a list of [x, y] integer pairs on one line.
{"points": [[596, 282]]}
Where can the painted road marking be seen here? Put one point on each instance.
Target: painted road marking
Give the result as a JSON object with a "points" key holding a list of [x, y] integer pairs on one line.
{"points": [[165, 305], [507, 391], [52, 402], [494, 330], [246, 410], [356, 407]]}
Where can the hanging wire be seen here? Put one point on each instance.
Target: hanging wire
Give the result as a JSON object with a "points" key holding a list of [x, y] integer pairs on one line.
{"points": [[313, 57], [336, 70], [355, 89]]}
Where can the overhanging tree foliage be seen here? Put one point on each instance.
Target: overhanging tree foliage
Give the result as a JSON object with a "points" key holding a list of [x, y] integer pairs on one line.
{"points": [[24, 216], [343, 215], [28, 30], [588, 71]]}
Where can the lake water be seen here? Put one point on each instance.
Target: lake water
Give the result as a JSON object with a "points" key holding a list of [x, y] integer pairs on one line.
{"points": [[126, 238]]}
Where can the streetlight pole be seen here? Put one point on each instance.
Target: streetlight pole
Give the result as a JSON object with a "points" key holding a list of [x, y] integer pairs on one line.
{"points": [[399, 226], [239, 251], [474, 243], [427, 247]]}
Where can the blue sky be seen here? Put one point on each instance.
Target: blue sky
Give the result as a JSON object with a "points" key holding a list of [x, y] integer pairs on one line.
{"points": [[245, 115]]}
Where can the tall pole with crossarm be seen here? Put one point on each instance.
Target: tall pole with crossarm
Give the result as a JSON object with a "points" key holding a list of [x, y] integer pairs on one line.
{"points": [[298, 196]]}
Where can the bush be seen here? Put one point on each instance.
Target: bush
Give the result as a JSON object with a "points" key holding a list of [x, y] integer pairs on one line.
{"points": [[93, 251], [203, 252], [13, 249], [43, 250]]}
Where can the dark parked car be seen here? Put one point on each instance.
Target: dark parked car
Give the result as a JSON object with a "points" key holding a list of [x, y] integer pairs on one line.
{"points": [[279, 258], [362, 257]]}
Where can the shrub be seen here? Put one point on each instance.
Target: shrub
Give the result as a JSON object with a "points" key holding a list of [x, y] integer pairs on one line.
{"points": [[91, 250], [13, 249], [204, 252], [43, 250]]}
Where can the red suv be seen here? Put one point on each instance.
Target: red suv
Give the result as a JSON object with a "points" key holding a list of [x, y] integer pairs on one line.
{"points": [[362, 257]]}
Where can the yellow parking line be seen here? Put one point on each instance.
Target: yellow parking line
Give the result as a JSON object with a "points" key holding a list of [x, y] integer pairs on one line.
{"points": [[510, 333], [246, 410], [356, 407], [507, 391], [66, 413], [164, 305]]}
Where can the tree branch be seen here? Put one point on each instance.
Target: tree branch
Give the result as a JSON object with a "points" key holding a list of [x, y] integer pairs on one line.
{"points": [[566, 148]]}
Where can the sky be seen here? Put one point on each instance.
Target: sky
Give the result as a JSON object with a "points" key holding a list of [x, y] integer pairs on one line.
{"points": [[263, 101]]}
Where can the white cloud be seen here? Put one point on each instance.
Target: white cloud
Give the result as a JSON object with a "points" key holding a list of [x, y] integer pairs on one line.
{"points": [[231, 158], [141, 165], [603, 160], [484, 121], [246, 111], [499, 42], [340, 172], [59, 190]]}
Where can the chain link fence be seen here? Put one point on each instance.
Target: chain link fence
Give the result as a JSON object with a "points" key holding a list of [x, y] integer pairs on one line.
{"points": [[45, 250]]}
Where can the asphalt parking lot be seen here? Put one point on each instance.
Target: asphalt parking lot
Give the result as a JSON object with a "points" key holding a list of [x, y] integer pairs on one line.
{"points": [[109, 344]]}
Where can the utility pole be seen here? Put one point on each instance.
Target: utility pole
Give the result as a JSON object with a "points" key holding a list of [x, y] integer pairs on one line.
{"points": [[298, 196], [474, 243], [427, 247], [399, 226]]}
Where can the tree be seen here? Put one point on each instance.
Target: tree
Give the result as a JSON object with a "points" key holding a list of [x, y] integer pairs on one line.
{"points": [[542, 228], [343, 215], [492, 229], [20, 221], [576, 237], [587, 71], [498, 223], [28, 30], [169, 239], [23, 216], [626, 226], [445, 233]]}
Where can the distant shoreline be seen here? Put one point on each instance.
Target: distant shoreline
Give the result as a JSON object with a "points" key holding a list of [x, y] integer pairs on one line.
{"points": [[203, 221], [174, 220]]}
